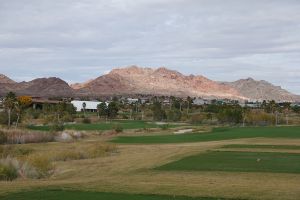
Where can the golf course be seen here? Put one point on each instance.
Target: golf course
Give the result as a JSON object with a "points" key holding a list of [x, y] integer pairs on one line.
{"points": [[224, 163]]}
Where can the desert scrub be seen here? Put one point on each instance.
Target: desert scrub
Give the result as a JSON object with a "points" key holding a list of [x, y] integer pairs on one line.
{"points": [[90, 152], [99, 150], [86, 120], [57, 127], [165, 126], [69, 155], [42, 164], [8, 170], [3, 137], [14, 151], [19, 136], [118, 128]]}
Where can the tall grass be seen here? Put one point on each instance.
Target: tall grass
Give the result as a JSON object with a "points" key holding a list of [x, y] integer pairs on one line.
{"points": [[18, 136]]}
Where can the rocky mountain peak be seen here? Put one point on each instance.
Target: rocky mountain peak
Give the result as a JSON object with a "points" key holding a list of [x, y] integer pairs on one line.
{"points": [[5, 80]]}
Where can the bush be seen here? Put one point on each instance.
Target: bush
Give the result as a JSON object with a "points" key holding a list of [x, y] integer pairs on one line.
{"points": [[86, 120], [118, 128], [42, 164], [164, 126], [17, 136], [99, 150], [197, 119], [3, 137], [8, 170], [69, 155], [14, 151], [57, 127]]}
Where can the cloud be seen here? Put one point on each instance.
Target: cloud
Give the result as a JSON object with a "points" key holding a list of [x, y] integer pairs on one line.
{"points": [[80, 39]]}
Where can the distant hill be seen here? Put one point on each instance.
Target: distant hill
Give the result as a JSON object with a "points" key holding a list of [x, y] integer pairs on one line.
{"points": [[147, 81], [261, 90], [162, 81], [5, 80], [42, 87]]}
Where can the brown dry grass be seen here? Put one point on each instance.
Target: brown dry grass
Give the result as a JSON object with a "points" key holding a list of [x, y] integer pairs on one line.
{"points": [[130, 170]]}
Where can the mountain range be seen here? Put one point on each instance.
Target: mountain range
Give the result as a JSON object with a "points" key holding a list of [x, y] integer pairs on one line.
{"points": [[147, 81]]}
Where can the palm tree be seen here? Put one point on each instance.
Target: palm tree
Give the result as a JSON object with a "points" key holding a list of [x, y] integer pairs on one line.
{"points": [[9, 104], [287, 107], [84, 106]]}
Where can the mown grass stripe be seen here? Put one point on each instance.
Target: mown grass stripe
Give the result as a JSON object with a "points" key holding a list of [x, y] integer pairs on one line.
{"points": [[217, 134], [233, 161]]}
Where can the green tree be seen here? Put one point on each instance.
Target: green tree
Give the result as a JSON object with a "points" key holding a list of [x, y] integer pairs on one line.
{"points": [[9, 104], [102, 109], [84, 106], [159, 114], [112, 110]]}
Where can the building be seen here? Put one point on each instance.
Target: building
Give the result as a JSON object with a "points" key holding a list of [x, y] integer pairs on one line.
{"points": [[91, 106], [1, 105], [200, 102], [132, 101], [39, 102]]}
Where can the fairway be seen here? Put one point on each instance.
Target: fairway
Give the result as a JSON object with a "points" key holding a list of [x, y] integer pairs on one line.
{"points": [[260, 146], [126, 124], [238, 162], [83, 195], [216, 135]]}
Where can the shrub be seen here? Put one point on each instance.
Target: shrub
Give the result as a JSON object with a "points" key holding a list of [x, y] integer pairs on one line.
{"points": [[57, 127], [42, 164], [197, 119], [86, 120], [21, 137], [8, 169], [164, 126], [99, 150], [3, 137], [69, 155], [14, 151], [118, 128]]}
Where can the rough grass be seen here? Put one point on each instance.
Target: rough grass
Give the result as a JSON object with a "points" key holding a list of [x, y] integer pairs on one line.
{"points": [[216, 135], [261, 146], [128, 124], [84, 195], [238, 162], [131, 171]]}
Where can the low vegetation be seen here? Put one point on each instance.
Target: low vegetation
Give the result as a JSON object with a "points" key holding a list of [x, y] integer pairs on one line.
{"points": [[238, 162], [216, 135], [261, 146], [85, 195]]}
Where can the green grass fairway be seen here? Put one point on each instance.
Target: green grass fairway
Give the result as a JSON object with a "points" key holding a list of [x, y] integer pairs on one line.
{"points": [[128, 124], [215, 135], [238, 162], [258, 146], [82, 195]]}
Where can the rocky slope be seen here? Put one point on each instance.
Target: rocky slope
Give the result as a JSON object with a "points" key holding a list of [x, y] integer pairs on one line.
{"points": [[42, 87], [261, 90], [136, 80], [162, 81], [5, 80]]}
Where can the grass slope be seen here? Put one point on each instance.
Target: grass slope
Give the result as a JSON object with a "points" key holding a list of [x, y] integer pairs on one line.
{"points": [[83, 195], [261, 146], [103, 126], [238, 162], [216, 135]]}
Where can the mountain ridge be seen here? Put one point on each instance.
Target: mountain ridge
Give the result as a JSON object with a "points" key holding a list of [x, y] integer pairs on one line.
{"points": [[148, 81]]}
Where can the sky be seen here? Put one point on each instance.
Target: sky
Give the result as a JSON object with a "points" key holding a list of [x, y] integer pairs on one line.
{"points": [[224, 40]]}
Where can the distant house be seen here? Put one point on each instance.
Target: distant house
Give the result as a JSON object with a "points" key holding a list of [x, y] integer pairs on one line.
{"points": [[91, 106], [1, 105], [39, 102], [131, 100], [200, 102]]}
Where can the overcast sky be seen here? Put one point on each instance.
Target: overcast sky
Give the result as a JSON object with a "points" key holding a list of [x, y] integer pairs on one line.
{"points": [[224, 40]]}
